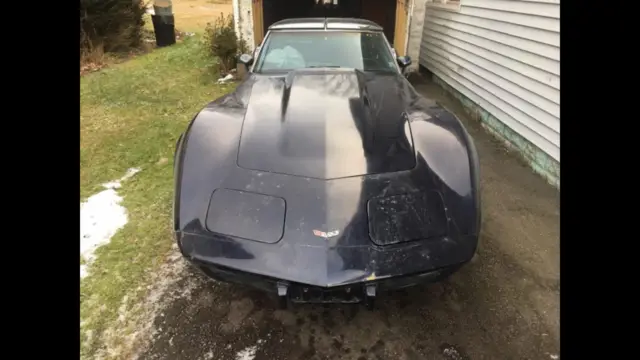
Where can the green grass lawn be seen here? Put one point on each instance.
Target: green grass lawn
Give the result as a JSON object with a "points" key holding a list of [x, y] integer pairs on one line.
{"points": [[131, 115]]}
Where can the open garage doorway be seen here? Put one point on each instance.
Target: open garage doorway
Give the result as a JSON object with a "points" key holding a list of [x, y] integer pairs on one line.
{"points": [[390, 14]]}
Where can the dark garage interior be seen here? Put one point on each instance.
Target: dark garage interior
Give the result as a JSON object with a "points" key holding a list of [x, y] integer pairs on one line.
{"points": [[382, 12]]}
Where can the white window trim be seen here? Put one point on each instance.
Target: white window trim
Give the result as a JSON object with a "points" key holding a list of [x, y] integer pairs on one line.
{"points": [[444, 5]]}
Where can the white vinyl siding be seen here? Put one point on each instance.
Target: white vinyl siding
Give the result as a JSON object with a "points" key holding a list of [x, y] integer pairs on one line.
{"points": [[504, 55]]}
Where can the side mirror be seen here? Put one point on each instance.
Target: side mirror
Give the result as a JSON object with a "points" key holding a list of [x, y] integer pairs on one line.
{"points": [[246, 59], [404, 61]]}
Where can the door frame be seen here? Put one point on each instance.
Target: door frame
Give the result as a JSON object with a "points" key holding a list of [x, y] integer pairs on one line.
{"points": [[401, 31], [257, 11]]}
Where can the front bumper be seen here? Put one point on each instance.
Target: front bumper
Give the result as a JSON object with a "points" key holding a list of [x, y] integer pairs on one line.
{"points": [[325, 273], [295, 292]]}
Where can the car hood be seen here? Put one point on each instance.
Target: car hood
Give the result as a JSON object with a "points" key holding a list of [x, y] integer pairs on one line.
{"points": [[327, 124]]}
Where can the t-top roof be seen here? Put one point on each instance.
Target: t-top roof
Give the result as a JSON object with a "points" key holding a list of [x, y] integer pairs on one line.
{"points": [[325, 23]]}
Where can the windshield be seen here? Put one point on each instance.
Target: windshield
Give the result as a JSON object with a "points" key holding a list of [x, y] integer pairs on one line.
{"points": [[284, 51]]}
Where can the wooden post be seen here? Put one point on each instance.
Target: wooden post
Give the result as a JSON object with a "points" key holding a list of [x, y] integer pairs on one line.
{"points": [[163, 23]]}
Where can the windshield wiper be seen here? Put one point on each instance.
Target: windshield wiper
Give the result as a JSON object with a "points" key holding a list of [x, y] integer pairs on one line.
{"points": [[324, 66]]}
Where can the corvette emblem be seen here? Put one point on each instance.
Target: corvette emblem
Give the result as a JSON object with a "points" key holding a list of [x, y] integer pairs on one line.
{"points": [[326, 235]]}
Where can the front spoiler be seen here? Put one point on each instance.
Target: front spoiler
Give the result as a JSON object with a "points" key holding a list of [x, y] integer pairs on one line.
{"points": [[358, 292]]}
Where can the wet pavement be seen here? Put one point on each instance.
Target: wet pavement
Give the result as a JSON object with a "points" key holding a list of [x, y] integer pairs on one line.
{"points": [[502, 305]]}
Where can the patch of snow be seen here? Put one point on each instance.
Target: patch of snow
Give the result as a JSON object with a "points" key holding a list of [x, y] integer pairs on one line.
{"points": [[118, 183], [451, 353], [554, 357], [225, 79], [247, 354], [101, 216]]}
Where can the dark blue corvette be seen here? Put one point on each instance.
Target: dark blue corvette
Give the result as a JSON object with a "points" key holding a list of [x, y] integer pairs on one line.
{"points": [[325, 177]]}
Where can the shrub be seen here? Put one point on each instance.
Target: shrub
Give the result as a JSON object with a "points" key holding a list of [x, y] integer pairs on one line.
{"points": [[111, 25], [222, 43]]}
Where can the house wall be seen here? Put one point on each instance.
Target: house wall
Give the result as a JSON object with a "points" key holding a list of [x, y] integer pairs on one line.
{"points": [[502, 59]]}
